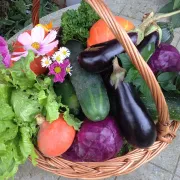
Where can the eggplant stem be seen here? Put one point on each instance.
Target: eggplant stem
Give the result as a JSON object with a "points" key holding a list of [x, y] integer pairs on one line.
{"points": [[118, 73], [150, 19], [40, 119], [160, 16]]}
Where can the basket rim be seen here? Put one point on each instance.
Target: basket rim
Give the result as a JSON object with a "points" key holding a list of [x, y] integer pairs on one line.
{"points": [[98, 170]]}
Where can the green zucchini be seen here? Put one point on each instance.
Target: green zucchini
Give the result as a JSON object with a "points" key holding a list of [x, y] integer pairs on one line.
{"points": [[167, 32], [68, 95], [173, 102], [89, 88]]}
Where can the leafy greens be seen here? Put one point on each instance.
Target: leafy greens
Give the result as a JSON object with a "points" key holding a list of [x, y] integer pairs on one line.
{"points": [[22, 97]]}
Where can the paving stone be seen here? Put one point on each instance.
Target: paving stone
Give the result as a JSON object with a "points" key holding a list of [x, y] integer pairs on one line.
{"points": [[168, 158], [116, 7], [178, 169], [63, 178], [29, 172], [137, 8], [177, 30], [178, 45], [112, 178], [147, 172], [176, 39], [176, 178]]}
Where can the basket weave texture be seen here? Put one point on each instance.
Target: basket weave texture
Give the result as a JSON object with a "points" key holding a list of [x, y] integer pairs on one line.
{"points": [[134, 159]]}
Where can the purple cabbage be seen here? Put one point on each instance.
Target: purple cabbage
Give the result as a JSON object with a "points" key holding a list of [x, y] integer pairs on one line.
{"points": [[95, 142], [166, 58]]}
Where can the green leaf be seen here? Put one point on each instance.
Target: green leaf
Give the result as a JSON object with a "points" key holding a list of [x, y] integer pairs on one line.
{"points": [[167, 8], [20, 5], [141, 85], [166, 81], [166, 76], [131, 75], [5, 92], [25, 106], [52, 110], [168, 87], [8, 130], [176, 4], [71, 119], [125, 60], [52, 107], [6, 111], [7, 22], [21, 74], [42, 98], [148, 51], [22, 145]]}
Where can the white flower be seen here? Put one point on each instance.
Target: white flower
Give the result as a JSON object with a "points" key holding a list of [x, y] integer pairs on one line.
{"points": [[69, 69], [57, 56], [46, 62], [64, 51]]}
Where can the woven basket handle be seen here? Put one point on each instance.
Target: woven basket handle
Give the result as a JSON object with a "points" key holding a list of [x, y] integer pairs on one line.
{"points": [[121, 35]]}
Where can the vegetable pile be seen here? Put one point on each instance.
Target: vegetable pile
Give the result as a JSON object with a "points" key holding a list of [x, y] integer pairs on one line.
{"points": [[76, 94]]}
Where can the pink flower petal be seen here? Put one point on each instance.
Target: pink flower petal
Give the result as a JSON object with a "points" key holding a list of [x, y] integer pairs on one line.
{"points": [[7, 60], [47, 48], [37, 34], [29, 47], [2, 41], [25, 39], [17, 53], [20, 56], [66, 63], [50, 37]]}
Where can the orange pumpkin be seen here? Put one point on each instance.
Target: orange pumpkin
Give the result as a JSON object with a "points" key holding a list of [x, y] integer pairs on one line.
{"points": [[55, 138], [100, 32]]}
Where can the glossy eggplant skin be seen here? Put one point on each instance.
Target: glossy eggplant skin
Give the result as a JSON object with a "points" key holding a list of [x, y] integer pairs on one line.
{"points": [[99, 57], [134, 121], [151, 38], [131, 114]]}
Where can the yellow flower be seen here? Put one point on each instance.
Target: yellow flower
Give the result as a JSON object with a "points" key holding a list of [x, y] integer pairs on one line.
{"points": [[47, 27]]}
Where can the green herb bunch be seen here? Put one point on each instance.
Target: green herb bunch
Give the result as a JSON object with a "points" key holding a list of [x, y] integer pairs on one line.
{"points": [[76, 23]]}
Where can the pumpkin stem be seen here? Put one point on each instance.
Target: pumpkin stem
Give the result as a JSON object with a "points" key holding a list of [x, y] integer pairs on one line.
{"points": [[40, 119]]}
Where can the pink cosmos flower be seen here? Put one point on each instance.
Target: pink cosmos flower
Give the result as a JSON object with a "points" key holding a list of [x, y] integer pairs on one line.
{"points": [[59, 70], [4, 52], [37, 42]]}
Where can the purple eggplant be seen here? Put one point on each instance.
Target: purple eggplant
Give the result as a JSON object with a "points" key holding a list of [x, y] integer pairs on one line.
{"points": [[99, 57], [134, 121], [151, 38], [131, 114]]}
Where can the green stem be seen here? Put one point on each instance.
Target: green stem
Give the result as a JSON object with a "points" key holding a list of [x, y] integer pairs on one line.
{"points": [[157, 17], [160, 16]]}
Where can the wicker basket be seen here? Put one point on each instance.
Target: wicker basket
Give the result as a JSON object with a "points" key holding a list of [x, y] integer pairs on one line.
{"points": [[134, 159]]}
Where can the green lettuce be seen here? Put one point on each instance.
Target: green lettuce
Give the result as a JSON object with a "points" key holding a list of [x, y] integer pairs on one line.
{"points": [[23, 95], [25, 106]]}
